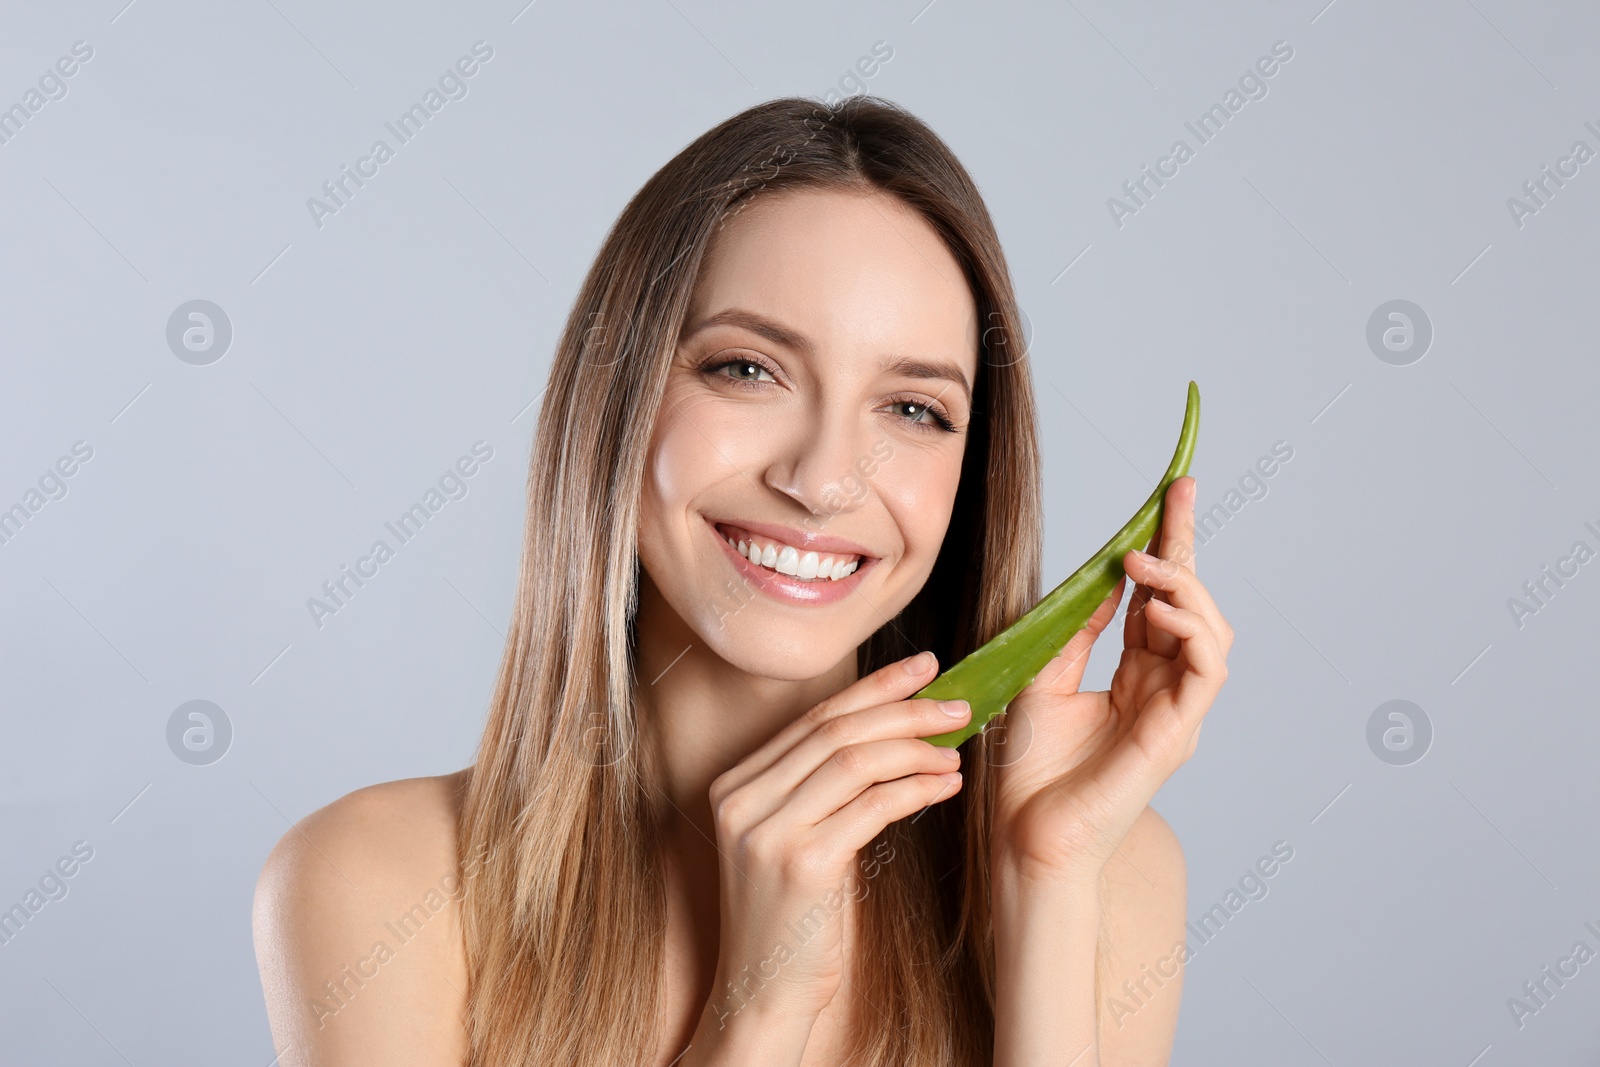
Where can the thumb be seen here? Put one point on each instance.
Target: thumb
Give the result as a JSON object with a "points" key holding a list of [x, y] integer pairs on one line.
{"points": [[1065, 673]]}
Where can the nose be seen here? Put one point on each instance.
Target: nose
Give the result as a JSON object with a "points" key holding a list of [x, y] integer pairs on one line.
{"points": [[818, 463]]}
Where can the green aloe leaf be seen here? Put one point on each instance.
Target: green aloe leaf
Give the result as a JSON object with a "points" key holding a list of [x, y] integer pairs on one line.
{"points": [[991, 677]]}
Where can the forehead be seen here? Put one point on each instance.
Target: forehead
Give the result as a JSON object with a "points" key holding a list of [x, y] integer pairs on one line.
{"points": [[857, 273]]}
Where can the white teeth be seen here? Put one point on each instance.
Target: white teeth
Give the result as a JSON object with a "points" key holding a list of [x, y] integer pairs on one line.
{"points": [[808, 566]]}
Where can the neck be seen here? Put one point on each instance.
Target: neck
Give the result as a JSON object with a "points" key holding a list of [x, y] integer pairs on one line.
{"points": [[700, 715]]}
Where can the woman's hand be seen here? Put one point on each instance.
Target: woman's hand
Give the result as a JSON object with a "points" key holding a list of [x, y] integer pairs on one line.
{"points": [[1079, 768], [790, 820]]}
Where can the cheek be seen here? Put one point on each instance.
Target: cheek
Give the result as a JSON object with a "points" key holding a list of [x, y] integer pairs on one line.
{"points": [[920, 494], [687, 456], [676, 454]]}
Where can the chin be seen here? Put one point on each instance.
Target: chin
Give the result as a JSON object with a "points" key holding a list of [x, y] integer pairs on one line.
{"points": [[795, 652]]}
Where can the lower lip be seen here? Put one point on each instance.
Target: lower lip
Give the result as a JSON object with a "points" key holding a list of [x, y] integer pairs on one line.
{"points": [[791, 590]]}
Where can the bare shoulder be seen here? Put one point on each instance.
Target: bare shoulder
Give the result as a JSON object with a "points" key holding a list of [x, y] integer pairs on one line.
{"points": [[357, 929], [1144, 898]]}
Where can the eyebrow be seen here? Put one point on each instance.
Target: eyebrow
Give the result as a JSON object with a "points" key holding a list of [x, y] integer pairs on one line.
{"points": [[780, 334]]}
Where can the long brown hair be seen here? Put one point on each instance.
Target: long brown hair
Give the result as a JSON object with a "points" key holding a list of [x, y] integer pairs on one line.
{"points": [[564, 928]]}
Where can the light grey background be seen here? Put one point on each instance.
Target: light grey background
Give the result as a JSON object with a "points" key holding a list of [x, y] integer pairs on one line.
{"points": [[372, 352]]}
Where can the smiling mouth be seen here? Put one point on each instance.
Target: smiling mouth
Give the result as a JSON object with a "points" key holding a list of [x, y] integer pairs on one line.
{"points": [[800, 564]]}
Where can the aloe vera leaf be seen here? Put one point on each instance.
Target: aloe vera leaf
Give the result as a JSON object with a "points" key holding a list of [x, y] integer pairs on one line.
{"points": [[992, 676]]}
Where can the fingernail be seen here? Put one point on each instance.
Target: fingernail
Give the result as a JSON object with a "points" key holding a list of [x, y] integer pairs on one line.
{"points": [[1162, 605], [953, 777], [952, 753], [1142, 556], [956, 709], [919, 663]]}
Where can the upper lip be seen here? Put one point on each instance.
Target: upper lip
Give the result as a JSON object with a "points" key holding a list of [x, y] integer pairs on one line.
{"points": [[801, 539]]}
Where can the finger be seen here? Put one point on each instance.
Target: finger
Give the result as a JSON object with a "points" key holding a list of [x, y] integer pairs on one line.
{"points": [[1177, 522], [891, 682], [1206, 664], [1065, 673], [1165, 733], [863, 819], [1175, 541], [1179, 586], [763, 795], [1136, 767], [854, 769], [1134, 632]]}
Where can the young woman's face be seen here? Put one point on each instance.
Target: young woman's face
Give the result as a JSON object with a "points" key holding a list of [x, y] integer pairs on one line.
{"points": [[810, 441]]}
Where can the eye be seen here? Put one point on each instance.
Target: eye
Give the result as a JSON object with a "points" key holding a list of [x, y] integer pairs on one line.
{"points": [[922, 415], [741, 370]]}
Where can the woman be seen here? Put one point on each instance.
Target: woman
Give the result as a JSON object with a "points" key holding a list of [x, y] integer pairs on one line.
{"points": [[785, 471]]}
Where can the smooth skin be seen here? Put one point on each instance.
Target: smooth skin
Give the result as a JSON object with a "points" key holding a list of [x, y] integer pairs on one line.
{"points": [[778, 763]]}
